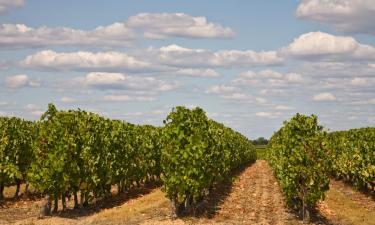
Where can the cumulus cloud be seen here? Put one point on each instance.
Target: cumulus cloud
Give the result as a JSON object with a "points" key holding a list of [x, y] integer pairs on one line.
{"points": [[173, 58], [267, 78], [19, 81], [261, 74], [33, 110], [273, 92], [221, 89], [5, 5], [284, 107], [122, 81], [238, 97], [269, 115], [174, 55], [358, 81], [117, 34], [351, 16], [198, 72], [327, 47], [128, 98], [68, 100], [364, 102], [166, 25], [81, 60], [235, 94], [22, 36], [323, 97]]}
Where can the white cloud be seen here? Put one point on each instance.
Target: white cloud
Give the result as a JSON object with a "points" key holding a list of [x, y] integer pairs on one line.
{"points": [[3, 103], [234, 93], [5, 5], [260, 100], [17, 81], [172, 58], [267, 78], [325, 96], [21, 80], [118, 34], [237, 97], [352, 16], [198, 73], [364, 102], [33, 110], [269, 115], [122, 81], [68, 100], [261, 74], [166, 25], [128, 98], [272, 92], [22, 36], [37, 113], [358, 81], [174, 55], [327, 47], [294, 78], [51, 60], [283, 107], [221, 89]]}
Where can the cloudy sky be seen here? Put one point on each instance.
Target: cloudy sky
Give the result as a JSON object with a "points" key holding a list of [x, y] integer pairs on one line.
{"points": [[248, 64]]}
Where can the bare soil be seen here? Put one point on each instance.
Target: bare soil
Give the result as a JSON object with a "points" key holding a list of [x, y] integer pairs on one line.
{"points": [[252, 196]]}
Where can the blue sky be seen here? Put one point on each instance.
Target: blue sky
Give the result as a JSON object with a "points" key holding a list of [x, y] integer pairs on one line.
{"points": [[248, 64]]}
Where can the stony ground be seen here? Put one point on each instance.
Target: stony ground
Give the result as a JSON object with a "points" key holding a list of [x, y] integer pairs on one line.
{"points": [[252, 197]]}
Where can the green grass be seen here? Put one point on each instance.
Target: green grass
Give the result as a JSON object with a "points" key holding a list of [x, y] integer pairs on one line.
{"points": [[261, 151]]}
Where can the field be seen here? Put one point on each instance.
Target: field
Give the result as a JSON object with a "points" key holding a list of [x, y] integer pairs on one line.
{"points": [[81, 168], [261, 151], [253, 197]]}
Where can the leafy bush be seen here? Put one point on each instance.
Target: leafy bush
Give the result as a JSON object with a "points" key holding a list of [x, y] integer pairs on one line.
{"points": [[298, 156], [78, 151], [352, 156], [196, 153], [16, 155]]}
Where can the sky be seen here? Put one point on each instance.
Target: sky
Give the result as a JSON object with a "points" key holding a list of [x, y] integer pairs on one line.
{"points": [[249, 64]]}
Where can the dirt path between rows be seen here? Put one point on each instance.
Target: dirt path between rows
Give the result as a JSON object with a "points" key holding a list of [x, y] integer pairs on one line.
{"points": [[254, 197]]}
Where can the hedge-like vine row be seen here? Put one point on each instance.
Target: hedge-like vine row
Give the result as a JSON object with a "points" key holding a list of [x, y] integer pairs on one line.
{"points": [[16, 155], [352, 155], [78, 151], [196, 153], [298, 157]]}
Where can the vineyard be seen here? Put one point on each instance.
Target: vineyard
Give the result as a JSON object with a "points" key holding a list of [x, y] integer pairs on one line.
{"points": [[85, 156], [352, 157], [304, 157]]}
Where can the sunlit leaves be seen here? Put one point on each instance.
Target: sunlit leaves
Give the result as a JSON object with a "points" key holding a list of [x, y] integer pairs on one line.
{"points": [[298, 156]]}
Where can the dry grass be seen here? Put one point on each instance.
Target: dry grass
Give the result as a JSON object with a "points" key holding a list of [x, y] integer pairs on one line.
{"points": [[349, 211], [133, 211]]}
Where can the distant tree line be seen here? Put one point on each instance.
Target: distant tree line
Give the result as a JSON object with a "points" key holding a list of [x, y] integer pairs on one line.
{"points": [[260, 141]]}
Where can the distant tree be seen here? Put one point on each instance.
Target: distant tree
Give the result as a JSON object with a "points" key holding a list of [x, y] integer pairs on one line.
{"points": [[260, 141]]}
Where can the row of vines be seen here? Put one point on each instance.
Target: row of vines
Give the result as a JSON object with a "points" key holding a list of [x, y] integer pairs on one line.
{"points": [[352, 155], [298, 157], [70, 152], [198, 152], [81, 154], [303, 157]]}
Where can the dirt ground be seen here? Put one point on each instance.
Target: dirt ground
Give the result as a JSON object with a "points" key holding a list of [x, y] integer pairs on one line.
{"points": [[252, 197]]}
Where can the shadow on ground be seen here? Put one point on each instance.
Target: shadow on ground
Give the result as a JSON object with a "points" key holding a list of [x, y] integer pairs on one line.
{"points": [[210, 206], [108, 203]]}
